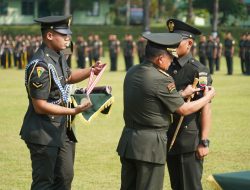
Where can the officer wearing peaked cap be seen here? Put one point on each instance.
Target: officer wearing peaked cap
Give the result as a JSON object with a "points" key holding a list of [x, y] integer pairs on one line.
{"points": [[150, 97], [44, 129], [185, 159]]}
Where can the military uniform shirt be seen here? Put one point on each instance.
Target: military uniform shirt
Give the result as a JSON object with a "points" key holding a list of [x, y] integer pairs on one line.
{"points": [[41, 128], [184, 70], [228, 46], [149, 99]]}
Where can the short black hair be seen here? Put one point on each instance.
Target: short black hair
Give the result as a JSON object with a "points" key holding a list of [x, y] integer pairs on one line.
{"points": [[152, 51]]}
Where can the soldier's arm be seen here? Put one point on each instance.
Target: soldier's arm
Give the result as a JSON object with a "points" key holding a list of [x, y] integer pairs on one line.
{"points": [[82, 74], [192, 107], [43, 107], [206, 115]]}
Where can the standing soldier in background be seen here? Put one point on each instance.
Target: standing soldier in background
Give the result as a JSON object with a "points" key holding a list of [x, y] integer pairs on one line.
{"points": [[141, 44], [81, 52], [114, 49], [210, 52], [90, 48], [202, 50], [242, 52], [218, 52], [194, 49], [129, 51], [97, 48], [229, 52], [247, 54]]}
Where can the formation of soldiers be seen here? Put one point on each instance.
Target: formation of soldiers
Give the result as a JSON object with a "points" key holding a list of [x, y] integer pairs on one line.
{"points": [[211, 50], [17, 51], [92, 49]]}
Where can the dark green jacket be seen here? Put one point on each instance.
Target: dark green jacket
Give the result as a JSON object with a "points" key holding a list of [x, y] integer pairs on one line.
{"points": [[149, 99], [184, 70], [41, 128]]}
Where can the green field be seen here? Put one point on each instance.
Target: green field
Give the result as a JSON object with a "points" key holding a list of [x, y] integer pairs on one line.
{"points": [[97, 165]]}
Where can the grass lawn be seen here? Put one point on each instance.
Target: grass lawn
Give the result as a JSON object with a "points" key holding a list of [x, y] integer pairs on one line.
{"points": [[97, 165]]}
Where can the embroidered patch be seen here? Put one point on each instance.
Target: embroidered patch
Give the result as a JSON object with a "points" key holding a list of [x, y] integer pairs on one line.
{"points": [[39, 71], [171, 87], [37, 84], [203, 81]]}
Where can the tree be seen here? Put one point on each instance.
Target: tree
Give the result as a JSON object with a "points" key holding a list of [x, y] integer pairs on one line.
{"points": [[235, 8], [190, 15], [67, 7], [127, 12], [215, 16], [146, 20]]}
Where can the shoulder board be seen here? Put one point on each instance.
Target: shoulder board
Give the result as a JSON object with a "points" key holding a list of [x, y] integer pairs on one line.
{"points": [[163, 72], [194, 62]]}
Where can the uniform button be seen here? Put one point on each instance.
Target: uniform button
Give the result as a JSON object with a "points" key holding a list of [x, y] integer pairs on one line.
{"points": [[47, 55], [52, 117], [175, 72], [186, 127]]}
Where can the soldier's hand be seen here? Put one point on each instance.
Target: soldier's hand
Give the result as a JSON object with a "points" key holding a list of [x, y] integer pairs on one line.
{"points": [[98, 67], [202, 152], [83, 106], [189, 90], [209, 91]]}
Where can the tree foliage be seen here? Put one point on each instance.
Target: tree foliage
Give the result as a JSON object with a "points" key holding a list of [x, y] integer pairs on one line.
{"points": [[235, 8]]}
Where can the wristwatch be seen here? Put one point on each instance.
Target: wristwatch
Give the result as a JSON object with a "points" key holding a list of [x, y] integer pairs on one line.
{"points": [[205, 142]]}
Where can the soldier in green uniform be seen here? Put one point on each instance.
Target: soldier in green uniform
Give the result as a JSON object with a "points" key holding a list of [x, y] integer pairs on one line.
{"points": [[81, 52], [185, 159], [247, 54], [150, 97], [242, 52], [128, 51], [218, 52], [202, 50], [229, 52], [141, 44], [210, 52], [44, 130], [114, 49]]}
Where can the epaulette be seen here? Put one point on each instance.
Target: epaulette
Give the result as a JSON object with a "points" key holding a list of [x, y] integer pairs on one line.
{"points": [[163, 72], [194, 62]]}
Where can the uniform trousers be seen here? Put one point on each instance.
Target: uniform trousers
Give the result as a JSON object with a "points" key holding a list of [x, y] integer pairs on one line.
{"points": [[140, 175], [203, 60], [185, 171], [113, 60], [52, 167], [229, 61], [217, 63], [243, 65], [211, 64], [129, 62]]}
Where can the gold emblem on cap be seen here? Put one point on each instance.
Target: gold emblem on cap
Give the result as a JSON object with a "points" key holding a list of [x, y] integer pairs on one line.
{"points": [[172, 51], [171, 26], [69, 22]]}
